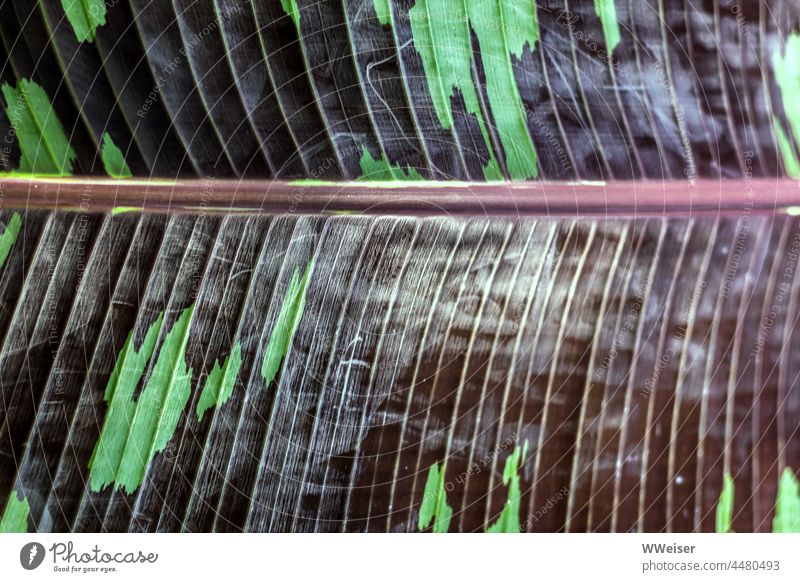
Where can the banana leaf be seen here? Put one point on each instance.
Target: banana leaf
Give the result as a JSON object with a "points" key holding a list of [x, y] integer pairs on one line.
{"points": [[399, 265]]}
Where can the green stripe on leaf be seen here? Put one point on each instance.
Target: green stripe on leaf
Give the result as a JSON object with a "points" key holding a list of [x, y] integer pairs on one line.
{"points": [[134, 431], [286, 324], [508, 522], [434, 508], [787, 506], [786, 68], [724, 516], [113, 160], [43, 144], [383, 11], [381, 169], [15, 515], [790, 162], [9, 237], [607, 11], [220, 382], [293, 10], [85, 16], [441, 33]]}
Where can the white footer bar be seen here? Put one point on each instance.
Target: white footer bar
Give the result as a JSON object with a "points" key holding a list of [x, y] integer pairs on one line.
{"points": [[228, 557]]}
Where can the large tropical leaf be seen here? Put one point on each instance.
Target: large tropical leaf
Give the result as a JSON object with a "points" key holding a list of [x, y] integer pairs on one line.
{"points": [[640, 360], [594, 89], [608, 345]]}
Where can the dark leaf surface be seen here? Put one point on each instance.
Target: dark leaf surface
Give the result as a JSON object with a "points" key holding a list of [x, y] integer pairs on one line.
{"points": [[611, 347], [238, 88], [640, 360]]}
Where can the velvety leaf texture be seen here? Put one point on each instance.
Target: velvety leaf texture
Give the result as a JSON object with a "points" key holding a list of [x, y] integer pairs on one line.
{"points": [[418, 373], [399, 266], [480, 89]]}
